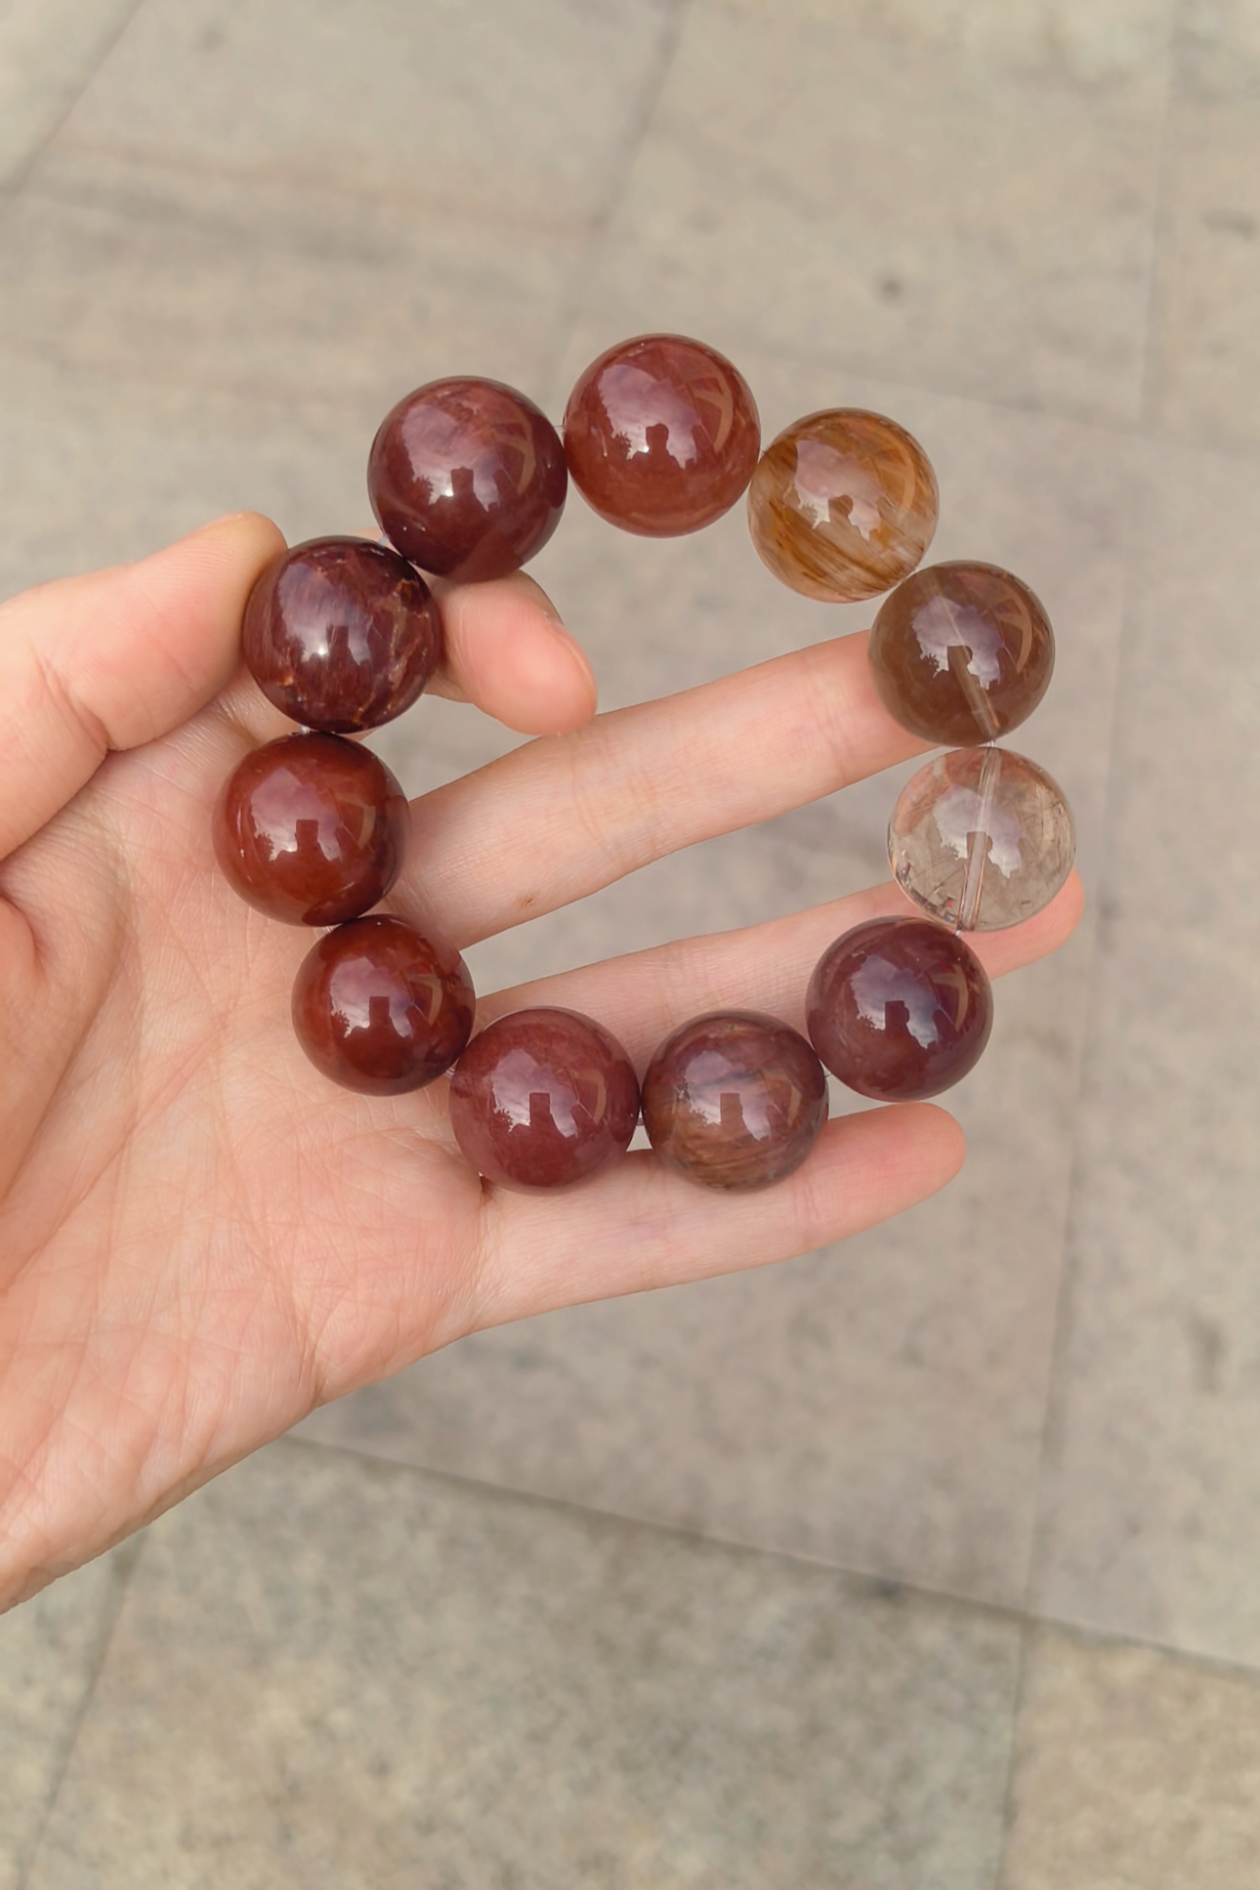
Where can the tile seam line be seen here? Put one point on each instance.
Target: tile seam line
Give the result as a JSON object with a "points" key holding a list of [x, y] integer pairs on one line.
{"points": [[867, 1578], [675, 1532], [240, 182], [128, 1557], [1006, 1806], [1029, 1618], [1065, 1296], [569, 315], [1057, 1389], [1159, 214], [14, 185], [1140, 428]]}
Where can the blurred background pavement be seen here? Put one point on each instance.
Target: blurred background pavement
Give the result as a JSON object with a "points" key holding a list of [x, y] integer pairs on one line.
{"points": [[928, 1564]]}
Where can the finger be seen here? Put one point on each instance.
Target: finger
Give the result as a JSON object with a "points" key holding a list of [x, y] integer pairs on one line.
{"points": [[505, 651], [116, 659], [642, 996], [508, 652], [559, 818], [641, 1226]]}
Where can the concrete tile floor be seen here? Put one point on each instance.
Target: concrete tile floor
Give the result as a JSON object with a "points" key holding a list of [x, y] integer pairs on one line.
{"points": [[1152, 1502], [231, 234], [1131, 1768], [333, 1673], [961, 197]]}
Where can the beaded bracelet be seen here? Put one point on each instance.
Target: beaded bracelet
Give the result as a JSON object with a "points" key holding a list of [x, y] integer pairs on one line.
{"points": [[468, 480]]}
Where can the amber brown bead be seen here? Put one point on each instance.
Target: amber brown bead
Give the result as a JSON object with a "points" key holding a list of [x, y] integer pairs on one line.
{"points": [[341, 634], [661, 435], [311, 829], [467, 478], [899, 1009], [543, 1098], [380, 1009], [961, 653], [842, 505], [734, 1100]]}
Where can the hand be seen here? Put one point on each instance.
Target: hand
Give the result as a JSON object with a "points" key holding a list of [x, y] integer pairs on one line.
{"points": [[201, 1238]]}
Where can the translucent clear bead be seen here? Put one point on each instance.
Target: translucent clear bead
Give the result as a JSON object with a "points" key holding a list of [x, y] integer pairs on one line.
{"points": [[981, 838]]}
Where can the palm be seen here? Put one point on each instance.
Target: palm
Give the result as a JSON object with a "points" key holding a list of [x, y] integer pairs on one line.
{"points": [[227, 1229], [201, 1238]]}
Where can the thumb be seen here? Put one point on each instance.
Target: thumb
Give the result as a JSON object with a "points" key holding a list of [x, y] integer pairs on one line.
{"points": [[116, 659]]}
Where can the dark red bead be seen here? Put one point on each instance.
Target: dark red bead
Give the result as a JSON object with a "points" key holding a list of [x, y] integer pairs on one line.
{"points": [[899, 1009], [379, 1008], [734, 1100], [311, 829], [661, 435], [341, 634], [467, 478], [542, 1098]]}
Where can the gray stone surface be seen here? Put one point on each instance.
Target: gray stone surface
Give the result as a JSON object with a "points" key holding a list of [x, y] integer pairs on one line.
{"points": [[1134, 1770], [1204, 351], [1153, 1494], [468, 113], [95, 470], [50, 1651], [49, 50], [415, 198], [335, 1674], [959, 196], [271, 293]]}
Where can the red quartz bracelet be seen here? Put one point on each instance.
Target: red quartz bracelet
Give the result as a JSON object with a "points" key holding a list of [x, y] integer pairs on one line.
{"points": [[661, 436]]}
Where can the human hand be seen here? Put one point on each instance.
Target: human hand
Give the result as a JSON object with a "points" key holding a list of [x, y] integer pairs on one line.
{"points": [[201, 1239]]}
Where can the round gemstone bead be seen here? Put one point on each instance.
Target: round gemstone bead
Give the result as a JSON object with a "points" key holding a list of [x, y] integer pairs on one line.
{"points": [[661, 435], [961, 653], [542, 1098], [981, 838], [341, 634], [311, 829], [899, 1009], [842, 505], [734, 1100], [378, 1008], [467, 478]]}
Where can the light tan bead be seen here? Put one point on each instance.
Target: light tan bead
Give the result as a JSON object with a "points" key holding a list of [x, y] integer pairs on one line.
{"points": [[842, 505]]}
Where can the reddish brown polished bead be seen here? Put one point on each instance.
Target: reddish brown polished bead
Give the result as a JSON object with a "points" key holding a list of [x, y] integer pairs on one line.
{"points": [[379, 1008], [899, 1009], [842, 505], [734, 1100], [542, 1098], [961, 653], [341, 634], [311, 829], [661, 435], [467, 478]]}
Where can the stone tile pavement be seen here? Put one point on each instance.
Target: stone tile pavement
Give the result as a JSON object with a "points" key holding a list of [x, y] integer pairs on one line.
{"points": [[931, 1562]]}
